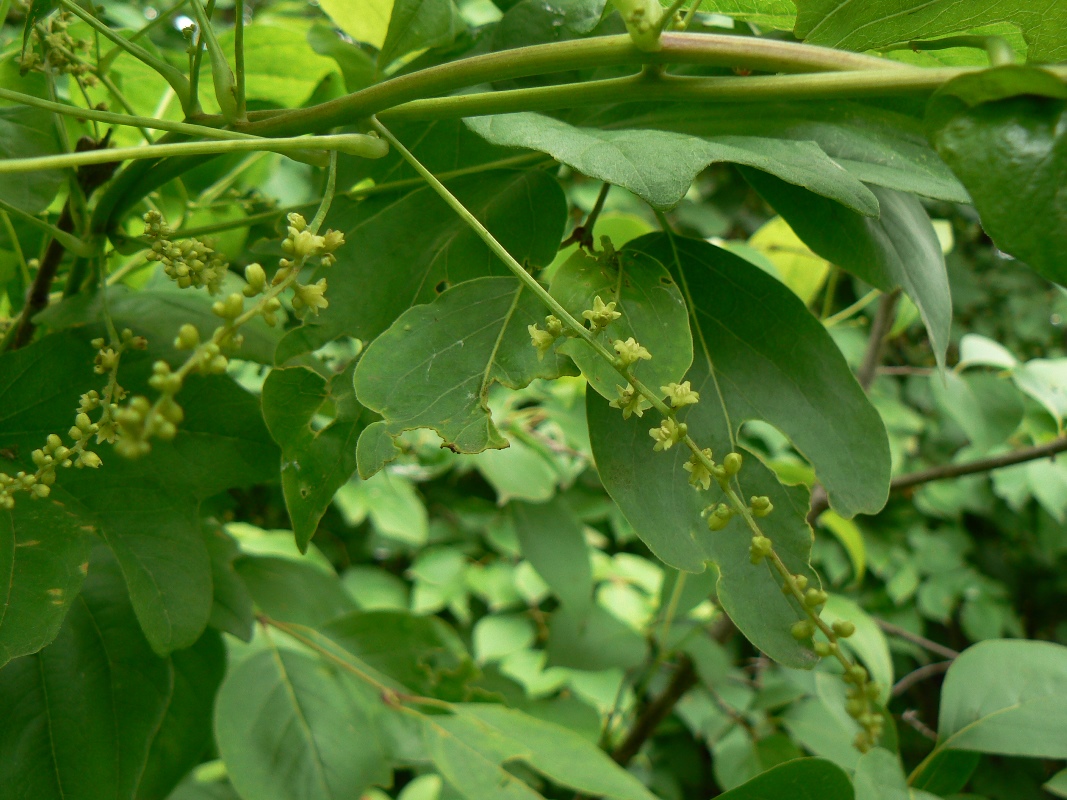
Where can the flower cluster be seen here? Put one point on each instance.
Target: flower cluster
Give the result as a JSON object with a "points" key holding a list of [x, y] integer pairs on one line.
{"points": [[189, 263], [60, 50], [56, 454], [142, 420]]}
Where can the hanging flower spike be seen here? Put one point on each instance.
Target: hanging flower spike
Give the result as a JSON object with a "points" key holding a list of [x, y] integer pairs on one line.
{"points": [[699, 474], [668, 434], [630, 402], [601, 315], [630, 352], [680, 394]]}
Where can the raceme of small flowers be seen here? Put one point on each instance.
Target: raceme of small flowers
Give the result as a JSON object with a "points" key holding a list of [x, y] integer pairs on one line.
{"points": [[634, 400]]}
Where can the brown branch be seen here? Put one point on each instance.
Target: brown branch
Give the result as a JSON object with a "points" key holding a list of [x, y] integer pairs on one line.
{"points": [[819, 501], [684, 679], [914, 638], [880, 328], [89, 178], [917, 675], [911, 717]]}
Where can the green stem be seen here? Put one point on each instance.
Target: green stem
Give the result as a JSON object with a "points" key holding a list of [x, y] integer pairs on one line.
{"points": [[17, 247], [172, 76], [601, 51], [239, 57], [126, 120], [350, 143], [670, 88], [69, 241]]}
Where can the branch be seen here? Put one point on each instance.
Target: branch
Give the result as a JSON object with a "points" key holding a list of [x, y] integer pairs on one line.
{"points": [[914, 638], [880, 328], [920, 674], [980, 465], [684, 678]]}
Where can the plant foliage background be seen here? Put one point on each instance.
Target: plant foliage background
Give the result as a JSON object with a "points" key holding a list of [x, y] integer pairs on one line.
{"points": [[388, 548]]}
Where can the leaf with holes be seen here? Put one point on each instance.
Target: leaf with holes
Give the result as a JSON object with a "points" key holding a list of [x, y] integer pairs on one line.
{"points": [[434, 366]]}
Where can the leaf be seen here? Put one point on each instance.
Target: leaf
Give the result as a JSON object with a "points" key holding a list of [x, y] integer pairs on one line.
{"points": [[652, 308], [38, 12], [280, 66], [28, 133], [797, 267], [83, 714], [874, 24], [419, 25], [552, 540], [492, 734], [316, 461], [800, 779], [778, 14], [292, 727], [423, 654], [1011, 154], [405, 250], [367, 21], [765, 364], [1007, 697], [898, 249], [659, 166], [879, 776], [375, 448], [231, 607], [44, 555], [848, 533], [185, 733], [1057, 784], [146, 510], [593, 639], [293, 591], [434, 366], [875, 145]]}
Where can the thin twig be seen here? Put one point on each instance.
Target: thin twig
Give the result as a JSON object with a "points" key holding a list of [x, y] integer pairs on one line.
{"points": [[911, 717], [684, 679], [819, 501], [914, 638], [918, 675], [880, 328]]}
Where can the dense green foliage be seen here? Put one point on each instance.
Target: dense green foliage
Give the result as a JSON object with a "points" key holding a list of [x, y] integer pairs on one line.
{"points": [[436, 399]]}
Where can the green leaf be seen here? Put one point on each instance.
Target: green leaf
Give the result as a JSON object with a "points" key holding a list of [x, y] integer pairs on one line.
{"points": [[375, 448], [898, 249], [408, 249], [293, 727], [1057, 784], [880, 776], [392, 503], [423, 654], [280, 66], [593, 639], [659, 166], [419, 25], [38, 12], [316, 461], [1008, 697], [874, 24], [486, 735], [848, 533], [294, 591], [28, 133], [875, 145], [1011, 154], [366, 21], [552, 540], [185, 732], [85, 714], [778, 14], [653, 311], [800, 779], [434, 366], [44, 555], [765, 366], [231, 607], [146, 510]]}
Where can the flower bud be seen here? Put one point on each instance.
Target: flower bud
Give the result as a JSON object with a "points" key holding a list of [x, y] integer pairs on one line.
{"points": [[803, 629], [815, 597], [188, 337], [844, 628], [732, 464]]}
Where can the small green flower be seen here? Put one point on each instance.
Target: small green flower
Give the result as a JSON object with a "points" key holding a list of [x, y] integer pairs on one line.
{"points": [[310, 296], [718, 516], [759, 549], [542, 340], [804, 629], [601, 315], [761, 506], [668, 434], [699, 474], [680, 394], [630, 352], [630, 402]]}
